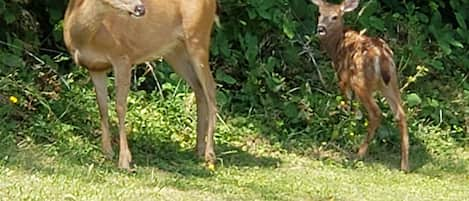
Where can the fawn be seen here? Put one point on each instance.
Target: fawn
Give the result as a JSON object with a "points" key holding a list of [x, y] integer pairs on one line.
{"points": [[363, 65]]}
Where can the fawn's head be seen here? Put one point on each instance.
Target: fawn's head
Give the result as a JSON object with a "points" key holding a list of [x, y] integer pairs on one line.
{"points": [[133, 7], [330, 18]]}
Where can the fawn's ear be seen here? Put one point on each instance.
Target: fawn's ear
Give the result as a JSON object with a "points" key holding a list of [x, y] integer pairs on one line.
{"points": [[349, 5], [317, 2]]}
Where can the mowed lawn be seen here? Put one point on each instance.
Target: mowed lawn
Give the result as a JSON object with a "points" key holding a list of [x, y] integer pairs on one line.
{"points": [[32, 175]]}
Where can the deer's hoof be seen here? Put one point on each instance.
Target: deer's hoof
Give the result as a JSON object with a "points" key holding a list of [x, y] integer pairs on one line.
{"points": [[210, 160], [405, 167], [124, 160], [108, 154], [362, 151]]}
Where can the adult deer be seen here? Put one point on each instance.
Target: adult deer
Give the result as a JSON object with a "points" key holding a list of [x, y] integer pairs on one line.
{"points": [[105, 35], [363, 65]]}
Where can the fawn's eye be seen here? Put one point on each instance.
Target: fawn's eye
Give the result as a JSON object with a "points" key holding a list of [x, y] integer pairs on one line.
{"points": [[334, 17]]}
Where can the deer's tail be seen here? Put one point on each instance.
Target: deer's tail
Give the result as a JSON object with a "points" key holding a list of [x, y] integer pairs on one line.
{"points": [[387, 67]]}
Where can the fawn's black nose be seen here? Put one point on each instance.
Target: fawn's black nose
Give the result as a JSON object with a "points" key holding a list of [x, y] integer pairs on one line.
{"points": [[321, 30], [139, 10]]}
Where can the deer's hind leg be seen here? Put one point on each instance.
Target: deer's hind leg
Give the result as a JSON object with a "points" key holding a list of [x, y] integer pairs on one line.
{"points": [[197, 28], [365, 95], [393, 97], [181, 61]]}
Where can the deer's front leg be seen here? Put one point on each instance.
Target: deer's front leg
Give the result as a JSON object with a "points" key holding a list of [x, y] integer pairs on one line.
{"points": [[122, 71], [100, 83]]}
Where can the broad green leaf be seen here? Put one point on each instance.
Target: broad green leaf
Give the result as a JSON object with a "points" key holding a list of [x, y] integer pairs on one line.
{"points": [[368, 9], [445, 47], [456, 43], [288, 29], [222, 76], [413, 99], [433, 103], [251, 44], [436, 64], [222, 98], [377, 23], [463, 34], [460, 20], [167, 86]]}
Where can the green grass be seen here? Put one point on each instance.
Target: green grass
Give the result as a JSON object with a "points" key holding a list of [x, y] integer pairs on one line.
{"points": [[32, 175], [60, 159]]}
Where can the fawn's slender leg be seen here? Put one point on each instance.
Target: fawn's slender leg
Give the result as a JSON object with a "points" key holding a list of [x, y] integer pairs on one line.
{"points": [[394, 99], [374, 116]]}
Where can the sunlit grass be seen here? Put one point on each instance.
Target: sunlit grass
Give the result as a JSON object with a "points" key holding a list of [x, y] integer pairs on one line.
{"points": [[293, 177]]}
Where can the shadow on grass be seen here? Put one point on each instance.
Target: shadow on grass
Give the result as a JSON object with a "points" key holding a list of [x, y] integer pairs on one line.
{"points": [[389, 155], [25, 156], [235, 157], [385, 151], [421, 161], [170, 157], [165, 156]]}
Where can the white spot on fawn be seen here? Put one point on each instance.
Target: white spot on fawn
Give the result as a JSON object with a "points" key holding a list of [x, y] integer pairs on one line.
{"points": [[377, 66]]}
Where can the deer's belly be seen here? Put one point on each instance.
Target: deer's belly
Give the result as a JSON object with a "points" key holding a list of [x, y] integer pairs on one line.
{"points": [[156, 53], [92, 60]]}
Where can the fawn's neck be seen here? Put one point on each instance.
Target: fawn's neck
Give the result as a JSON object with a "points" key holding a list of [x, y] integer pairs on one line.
{"points": [[332, 44]]}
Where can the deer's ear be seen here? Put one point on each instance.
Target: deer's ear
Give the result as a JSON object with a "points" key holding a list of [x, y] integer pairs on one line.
{"points": [[349, 5], [317, 2]]}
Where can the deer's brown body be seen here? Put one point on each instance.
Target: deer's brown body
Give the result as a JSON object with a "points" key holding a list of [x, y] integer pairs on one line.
{"points": [[363, 65], [361, 60], [104, 35]]}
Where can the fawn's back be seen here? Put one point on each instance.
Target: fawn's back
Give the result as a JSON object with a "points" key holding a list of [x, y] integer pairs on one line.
{"points": [[363, 57]]}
